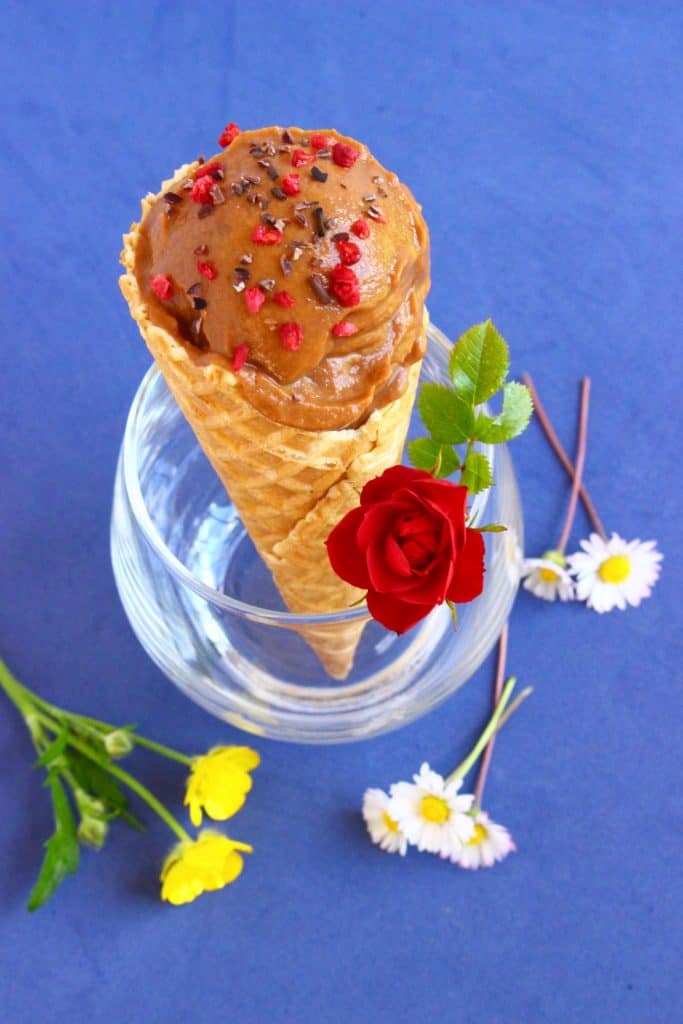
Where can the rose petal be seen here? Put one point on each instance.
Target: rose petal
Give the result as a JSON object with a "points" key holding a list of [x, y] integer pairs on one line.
{"points": [[414, 523], [419, 551], [431, 584], [379, 520], [397, 560], [346, 557], [385, 486], [389, 570], [449, 499], [393, 613], [468, 576]]}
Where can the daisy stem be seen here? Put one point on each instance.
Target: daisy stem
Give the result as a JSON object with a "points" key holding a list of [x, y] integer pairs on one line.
{"points": [[526, 692], [578, 464], [491, 728], [497, 689], [556, 445]]}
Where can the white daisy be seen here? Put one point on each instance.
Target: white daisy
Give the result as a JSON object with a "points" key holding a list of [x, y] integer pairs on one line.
{"points": [[547, 577], [382, 827], [614, 573], [489, 844], [430, 814]]}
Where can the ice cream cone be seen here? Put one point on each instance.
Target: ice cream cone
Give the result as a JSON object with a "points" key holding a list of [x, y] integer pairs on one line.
{"points": [[290, 485]]}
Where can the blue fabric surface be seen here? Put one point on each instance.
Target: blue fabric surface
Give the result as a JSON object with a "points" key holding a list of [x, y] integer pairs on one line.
{"points": [[544, 141]]}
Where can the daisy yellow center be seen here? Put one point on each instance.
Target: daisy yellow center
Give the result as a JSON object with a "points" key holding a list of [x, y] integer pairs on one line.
{"points": [[435, 808], [548, 575], [479, 836], [389, 822], [615, 569]]}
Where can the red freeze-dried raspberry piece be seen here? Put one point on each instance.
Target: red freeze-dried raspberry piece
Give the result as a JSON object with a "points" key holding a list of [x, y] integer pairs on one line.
{"points": [[344, 329], [292, 335], [319, 141], [201, 190], [344, 155], [207, 269], [344, 286], [349, 253], [206, 169], [283, 299], [300, 159], [162, 286], [254, 298], [229, 133], [239, 357], [361, 228], [265, 235], [290, 185]]}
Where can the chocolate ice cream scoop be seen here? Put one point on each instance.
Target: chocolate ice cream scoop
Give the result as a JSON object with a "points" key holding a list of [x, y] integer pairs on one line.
{"points": [[298, 261]]}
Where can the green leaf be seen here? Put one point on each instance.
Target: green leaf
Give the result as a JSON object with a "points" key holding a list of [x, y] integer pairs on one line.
{"points": [[439, 459], [491, 528], [476, 475], [52, 756], [61, 849], [479, 363], [446, 416], [512, 420], [94, 779]]}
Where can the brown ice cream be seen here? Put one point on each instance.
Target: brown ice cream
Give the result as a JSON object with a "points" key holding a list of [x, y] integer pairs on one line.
{"points": [[280, 287], [200, 268]]}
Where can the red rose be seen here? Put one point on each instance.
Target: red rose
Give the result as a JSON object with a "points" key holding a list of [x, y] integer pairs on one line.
{"points": [[344, 285], [408, 546]]}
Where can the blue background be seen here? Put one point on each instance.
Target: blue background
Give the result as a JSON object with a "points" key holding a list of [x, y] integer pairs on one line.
{"points": [[544, 140]]}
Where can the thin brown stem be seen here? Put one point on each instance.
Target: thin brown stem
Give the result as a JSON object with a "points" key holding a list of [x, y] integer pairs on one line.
{"points": [[579, 463], [556, 445], [497, 690]]}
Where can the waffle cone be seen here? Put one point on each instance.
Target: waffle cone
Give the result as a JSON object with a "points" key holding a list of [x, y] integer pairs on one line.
{"points": [[290, 486]]}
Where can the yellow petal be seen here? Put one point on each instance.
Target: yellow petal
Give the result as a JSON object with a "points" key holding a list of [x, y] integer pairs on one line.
{"points": [[181, 884], [223, 806], [196, 813], [241, 757], [221, 875]]}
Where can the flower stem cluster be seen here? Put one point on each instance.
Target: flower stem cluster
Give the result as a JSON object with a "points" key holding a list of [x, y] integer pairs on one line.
{"points": [[78, 756]]}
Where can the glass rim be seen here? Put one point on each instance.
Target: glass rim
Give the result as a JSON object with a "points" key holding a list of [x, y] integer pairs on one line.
{"points": [[208, 593]]}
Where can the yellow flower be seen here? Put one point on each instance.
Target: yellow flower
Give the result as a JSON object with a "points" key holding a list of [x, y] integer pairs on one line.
{"points": [[219, 782], [210, 862]]}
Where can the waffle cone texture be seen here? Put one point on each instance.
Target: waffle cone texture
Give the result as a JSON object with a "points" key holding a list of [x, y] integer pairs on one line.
{"points": [[290, 486]]}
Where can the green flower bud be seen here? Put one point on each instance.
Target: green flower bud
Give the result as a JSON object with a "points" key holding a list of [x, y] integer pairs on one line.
{"points": [[89, 806], [555, 556], [118, 743], [92, 831]]}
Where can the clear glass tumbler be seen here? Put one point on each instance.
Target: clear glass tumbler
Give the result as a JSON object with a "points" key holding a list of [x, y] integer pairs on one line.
{"points": [[204, 607]]}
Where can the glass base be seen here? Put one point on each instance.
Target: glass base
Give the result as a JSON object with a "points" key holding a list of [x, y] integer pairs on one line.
{"points": [[204, 606]]}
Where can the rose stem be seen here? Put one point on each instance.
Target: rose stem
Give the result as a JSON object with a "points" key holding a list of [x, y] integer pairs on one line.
{"points": [[556, 445], [578, 465], [497, 690]]}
